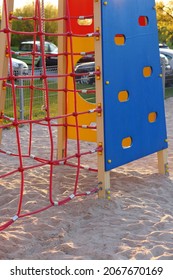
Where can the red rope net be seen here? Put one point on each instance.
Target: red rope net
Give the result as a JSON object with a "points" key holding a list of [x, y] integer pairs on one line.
{"points": [[28, 160]]}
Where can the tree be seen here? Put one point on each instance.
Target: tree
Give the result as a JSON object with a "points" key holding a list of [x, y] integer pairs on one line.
{"points": [[165, 22], [28, 25]]}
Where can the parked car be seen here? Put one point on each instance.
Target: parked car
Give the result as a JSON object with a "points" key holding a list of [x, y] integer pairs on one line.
{"points": [[50, 49], [164, 62], [85, 73], [19, 67], [86, 58], [163, 46], [169, 54]]}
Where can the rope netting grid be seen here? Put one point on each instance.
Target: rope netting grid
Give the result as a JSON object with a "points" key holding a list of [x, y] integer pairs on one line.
{"points": [[48, 122]]}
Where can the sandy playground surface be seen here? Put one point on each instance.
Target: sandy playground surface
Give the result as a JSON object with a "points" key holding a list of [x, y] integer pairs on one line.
{"points": [[137, 223]]}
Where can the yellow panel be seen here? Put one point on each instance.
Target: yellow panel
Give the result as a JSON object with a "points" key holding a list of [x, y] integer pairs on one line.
{"points": [[80, 45]]}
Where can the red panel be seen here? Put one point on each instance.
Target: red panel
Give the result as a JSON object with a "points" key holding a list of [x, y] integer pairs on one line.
{"points": [[80, 8]]}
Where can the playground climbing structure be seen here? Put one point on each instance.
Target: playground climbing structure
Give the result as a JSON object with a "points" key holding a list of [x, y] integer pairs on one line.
{"points": [[127, 121]]}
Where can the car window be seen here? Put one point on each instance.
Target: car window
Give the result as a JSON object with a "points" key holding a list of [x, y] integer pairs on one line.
{"points": [[46, 47], [80, 70], [37, 48], [87, 58], [168, 56], [29, 47], [83, 68], [52, 47], [26, 47], [91, 69]]}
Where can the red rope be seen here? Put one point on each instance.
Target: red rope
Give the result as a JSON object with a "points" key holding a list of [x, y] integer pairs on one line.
{"points": [[47, 120]]}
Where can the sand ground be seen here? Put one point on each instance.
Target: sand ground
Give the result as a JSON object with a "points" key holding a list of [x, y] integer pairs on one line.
{"points": [[137, 223]]}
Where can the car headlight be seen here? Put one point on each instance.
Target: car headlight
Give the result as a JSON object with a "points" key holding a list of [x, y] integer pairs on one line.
{"points": [[167, 67], [24, 65], [15, 64]]}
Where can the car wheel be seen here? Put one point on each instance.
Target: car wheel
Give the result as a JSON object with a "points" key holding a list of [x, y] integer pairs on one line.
{"points": [[91, 80], [84, 79]]}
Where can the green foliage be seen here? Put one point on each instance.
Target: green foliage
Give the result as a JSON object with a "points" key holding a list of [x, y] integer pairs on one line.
{"points": [[165, 22], [31, 25], [51, 26]]}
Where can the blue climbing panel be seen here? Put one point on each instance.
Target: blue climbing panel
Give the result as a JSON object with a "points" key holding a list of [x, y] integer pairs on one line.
{"points": [[134, 117]]}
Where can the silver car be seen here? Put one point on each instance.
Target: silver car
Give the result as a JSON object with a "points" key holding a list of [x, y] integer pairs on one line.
{"points": [[164, 61], [169, 54], [19, 67]]}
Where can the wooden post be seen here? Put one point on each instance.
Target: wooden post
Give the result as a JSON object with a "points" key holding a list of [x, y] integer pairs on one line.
{"points": [[103, 176], [4, 58], [62, 42], [163, 162]]}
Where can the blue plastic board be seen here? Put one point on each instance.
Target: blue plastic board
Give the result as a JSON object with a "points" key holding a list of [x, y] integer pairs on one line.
{"points": [[123, 66]]}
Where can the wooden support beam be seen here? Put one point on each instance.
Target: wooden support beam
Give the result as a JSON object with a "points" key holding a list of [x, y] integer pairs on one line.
{"points": [[103, 176], [3, 57], [62, 44], [163, 162]]}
